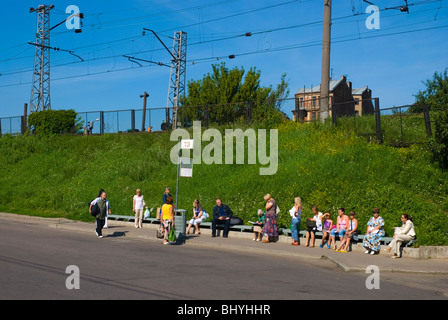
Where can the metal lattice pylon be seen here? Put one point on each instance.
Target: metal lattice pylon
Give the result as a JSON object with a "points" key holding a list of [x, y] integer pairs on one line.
{"points": [[40, 95], [177, 76]]}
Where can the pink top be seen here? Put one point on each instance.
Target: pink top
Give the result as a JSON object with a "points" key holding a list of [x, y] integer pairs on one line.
{"points": [[342, 224]]}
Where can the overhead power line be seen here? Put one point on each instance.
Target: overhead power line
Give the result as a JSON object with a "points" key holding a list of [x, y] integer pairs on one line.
{"points": [[236, 54]]}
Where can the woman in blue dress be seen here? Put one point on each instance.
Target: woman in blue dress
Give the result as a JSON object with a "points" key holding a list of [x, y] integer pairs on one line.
{"points": [[375, 231]]}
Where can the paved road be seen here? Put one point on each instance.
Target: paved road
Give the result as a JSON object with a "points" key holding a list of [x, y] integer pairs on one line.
{"points": [[34, 258]]}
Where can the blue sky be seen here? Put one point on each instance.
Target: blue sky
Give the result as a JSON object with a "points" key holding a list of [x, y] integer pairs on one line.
{"points": [[393, 60]]}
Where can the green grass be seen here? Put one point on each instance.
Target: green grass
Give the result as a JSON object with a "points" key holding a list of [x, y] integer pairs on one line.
{"points": [[397, 129], [325, 166]]}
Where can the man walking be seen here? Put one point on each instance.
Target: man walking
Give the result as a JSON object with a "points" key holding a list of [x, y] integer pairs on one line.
{"points": [[103, 211], [221, 215]]}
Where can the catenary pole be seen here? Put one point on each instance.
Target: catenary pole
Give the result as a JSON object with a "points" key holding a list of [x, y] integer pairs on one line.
{"points": [[325, 77]]}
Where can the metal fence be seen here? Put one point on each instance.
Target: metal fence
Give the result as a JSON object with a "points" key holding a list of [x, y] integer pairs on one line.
{"points": [[12, 125], [394, 126], [121, 121]]}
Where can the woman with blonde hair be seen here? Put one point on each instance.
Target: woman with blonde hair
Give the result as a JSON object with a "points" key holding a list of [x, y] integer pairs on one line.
{"points": [[270, 226], [138, 202], [296, 214], [198, 213]]}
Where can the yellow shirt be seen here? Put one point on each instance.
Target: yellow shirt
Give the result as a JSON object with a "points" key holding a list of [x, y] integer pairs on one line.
{"points": [[166, 211]]}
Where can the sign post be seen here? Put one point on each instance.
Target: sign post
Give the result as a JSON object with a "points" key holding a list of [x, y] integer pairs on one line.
{"points": [[184, 165]]}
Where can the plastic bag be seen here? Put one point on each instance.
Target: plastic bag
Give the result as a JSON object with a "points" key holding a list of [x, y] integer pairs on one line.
{"points": [[147, 214], [172, 235]]}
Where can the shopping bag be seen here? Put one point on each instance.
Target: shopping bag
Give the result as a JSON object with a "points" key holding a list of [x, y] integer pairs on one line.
{"points": [[172, 235]]}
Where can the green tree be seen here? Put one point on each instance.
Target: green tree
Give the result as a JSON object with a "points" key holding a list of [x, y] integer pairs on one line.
{"points": [[226, 95], [435, 95], [53, 122], [439, 142]]}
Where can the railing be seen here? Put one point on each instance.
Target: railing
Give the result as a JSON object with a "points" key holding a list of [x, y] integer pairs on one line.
{"points": [[394, 126]]}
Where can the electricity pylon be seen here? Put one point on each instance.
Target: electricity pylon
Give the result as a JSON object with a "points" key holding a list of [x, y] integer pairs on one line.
{"points": [[40, 95], [177, 76]]}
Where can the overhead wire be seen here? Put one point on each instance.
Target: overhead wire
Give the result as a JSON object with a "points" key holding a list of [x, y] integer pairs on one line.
{"points": [[283, 48]]}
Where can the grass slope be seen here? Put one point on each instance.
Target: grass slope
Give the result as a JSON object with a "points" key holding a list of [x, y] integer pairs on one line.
{"points": [[325, 166]]}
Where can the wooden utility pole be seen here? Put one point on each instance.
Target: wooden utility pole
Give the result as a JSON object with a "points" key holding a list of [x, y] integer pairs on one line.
{"points": [[325, 78], [145, 96]]}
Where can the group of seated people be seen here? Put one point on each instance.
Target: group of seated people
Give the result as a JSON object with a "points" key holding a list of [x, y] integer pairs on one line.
{"points": [[346, 226]]}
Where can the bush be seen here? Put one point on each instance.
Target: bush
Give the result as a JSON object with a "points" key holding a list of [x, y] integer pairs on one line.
{"points": [[53, 122], [439, 143]]}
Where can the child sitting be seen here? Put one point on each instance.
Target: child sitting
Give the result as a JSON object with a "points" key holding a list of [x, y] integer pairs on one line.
{"points": [[258, 226]]}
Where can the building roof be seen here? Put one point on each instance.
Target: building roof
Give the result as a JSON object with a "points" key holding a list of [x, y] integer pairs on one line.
{"points": [[359, 91], [333, 85]]}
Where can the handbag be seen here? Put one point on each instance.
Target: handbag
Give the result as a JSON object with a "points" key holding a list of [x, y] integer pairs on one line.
{"points": [[236, 221], [172, 235], [160, 232], [311, 224]]}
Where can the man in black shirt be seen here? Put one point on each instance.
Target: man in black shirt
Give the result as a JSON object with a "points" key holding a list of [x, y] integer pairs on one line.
{"points": [[221, 215]]}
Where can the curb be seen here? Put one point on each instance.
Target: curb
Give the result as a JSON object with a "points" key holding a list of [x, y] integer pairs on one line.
{"points": [[436, 267]]}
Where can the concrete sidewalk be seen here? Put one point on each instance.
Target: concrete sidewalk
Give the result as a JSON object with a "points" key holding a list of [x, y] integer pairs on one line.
{"points": [[241, 242]]}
